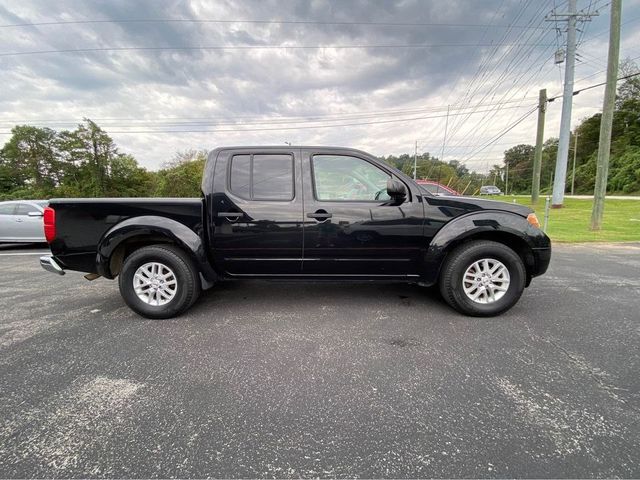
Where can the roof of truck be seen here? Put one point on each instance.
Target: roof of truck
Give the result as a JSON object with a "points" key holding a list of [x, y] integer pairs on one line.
{"points": [[287, 147]]}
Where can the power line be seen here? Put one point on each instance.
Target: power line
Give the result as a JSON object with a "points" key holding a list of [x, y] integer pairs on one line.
{"points": [[258, 22], [517, 59], [342, 115], [303, 127], [246, 47], [486, 70], [501, 134], [576, 92]]}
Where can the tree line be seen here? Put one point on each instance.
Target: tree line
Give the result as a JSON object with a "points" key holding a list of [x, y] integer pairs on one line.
{"points": [[42, 163], [624, 164]]}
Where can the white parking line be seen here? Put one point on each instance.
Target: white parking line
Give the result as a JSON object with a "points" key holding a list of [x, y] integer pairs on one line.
{"points": [[23, 253]]}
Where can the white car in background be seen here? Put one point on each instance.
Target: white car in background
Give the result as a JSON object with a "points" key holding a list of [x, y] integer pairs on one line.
{"points": [[490, 190], [21, 221]]}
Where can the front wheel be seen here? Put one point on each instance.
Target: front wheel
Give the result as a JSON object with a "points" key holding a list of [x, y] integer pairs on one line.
{"points": [[482, 278], [159, 281]]}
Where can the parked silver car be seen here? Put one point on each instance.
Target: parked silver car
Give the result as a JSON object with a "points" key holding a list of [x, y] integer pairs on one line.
{"points": [[21, 221], [490, 190]]}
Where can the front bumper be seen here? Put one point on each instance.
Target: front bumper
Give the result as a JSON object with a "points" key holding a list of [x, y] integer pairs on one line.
{"points": [[542, 258], [50, 265]]}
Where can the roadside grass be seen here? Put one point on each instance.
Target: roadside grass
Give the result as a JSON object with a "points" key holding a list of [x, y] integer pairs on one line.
{"points": [[571, 223]]}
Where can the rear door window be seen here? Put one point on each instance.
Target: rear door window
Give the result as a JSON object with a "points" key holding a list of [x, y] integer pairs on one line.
{"points": [[7, 209], [262, 177]]}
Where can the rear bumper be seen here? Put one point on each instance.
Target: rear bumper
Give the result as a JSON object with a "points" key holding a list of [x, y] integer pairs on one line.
{"points": [[50, 265]]}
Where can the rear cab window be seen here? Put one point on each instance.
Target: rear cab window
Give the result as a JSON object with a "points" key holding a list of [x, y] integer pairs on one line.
{"points": [[262, 176]]}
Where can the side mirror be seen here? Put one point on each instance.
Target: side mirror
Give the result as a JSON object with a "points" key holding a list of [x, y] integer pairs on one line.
{"points": [[396, 190], [35, 214]]}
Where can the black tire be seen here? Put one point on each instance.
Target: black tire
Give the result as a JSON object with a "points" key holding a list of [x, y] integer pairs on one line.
{"points": [[456, 264], [187, 281]]}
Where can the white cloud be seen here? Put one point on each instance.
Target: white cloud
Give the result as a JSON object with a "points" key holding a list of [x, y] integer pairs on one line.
{"points": [[183, 90]]}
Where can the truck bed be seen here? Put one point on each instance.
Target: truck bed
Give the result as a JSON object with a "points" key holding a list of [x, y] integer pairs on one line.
{"points": [[82, 222]]}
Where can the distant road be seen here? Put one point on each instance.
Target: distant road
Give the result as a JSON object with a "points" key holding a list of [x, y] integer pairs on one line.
{"points": [[589, 197], [612, 197]]}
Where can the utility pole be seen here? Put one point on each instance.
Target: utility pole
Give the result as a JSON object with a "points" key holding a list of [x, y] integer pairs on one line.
{"points": [[444, 142], [415, 161], [604, 145], [560, 180], [573, 171], [537, 159], [506, 180]]}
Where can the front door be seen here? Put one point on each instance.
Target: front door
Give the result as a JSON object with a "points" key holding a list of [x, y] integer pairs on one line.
{"points": [[257, 213], [352, 228]]}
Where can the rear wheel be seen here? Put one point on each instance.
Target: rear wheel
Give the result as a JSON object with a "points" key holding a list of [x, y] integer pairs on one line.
{"points": [[482, 278], [159, 281]]}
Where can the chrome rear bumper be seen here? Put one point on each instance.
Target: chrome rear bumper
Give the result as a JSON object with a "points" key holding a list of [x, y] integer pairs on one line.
{"points": [[50, 265]]}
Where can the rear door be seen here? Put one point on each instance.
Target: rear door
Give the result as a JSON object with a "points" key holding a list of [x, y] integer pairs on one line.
{"points": [[256, 212], [29, 228], [352, 229]]}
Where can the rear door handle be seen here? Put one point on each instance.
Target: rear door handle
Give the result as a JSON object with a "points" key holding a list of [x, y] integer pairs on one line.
{"points": [[320, 215]]}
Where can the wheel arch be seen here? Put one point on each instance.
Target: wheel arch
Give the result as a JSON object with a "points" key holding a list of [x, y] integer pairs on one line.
{"points": [[131, 234], [506, 228]]}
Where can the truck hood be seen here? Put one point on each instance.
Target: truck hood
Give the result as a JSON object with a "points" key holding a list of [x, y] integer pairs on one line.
{"points": [[470, 204]]}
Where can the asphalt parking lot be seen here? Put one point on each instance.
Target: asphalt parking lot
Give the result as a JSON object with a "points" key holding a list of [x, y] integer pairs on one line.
{"points": [[286, 380]]}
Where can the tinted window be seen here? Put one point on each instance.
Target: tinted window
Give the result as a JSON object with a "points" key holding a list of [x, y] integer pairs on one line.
{"points": [[272, 177], [262, 177], [25, 208], [240, 176], [7, 208], [339, 177]]}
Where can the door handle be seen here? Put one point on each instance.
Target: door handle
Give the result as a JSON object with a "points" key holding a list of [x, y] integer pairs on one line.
{"points": [[320, 215], [231, 216]]}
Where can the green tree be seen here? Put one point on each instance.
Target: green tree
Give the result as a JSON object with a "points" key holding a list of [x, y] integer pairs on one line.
{"points": [[91, 151], [182, 176], [128, 179], [29, 161]]}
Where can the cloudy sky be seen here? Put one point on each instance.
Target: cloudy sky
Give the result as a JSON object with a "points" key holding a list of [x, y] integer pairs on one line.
{"points": [[163, 75]]}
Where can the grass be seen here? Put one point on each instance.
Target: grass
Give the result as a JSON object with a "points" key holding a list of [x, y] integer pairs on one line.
{"points": [[571, 223]]}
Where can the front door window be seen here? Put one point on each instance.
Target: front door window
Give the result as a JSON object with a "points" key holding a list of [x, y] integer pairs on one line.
{"points": [[345, 178]]}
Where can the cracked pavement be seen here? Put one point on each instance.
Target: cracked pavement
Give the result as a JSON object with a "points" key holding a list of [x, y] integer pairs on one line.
{"points": [[323, 380]]}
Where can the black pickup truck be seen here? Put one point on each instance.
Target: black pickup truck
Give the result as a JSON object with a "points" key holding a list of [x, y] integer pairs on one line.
{"points": [[299, 213]]}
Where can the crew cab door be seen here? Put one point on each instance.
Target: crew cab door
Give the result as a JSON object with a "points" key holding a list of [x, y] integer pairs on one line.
{"points": [[352, 228], [256, 210]]}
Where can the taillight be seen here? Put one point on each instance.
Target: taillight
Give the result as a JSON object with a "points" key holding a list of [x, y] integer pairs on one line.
{"points": [[49, 224]]}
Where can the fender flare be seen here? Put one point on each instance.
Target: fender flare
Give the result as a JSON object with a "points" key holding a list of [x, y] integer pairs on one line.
{"points": [[150, 225], [483, 223]]}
